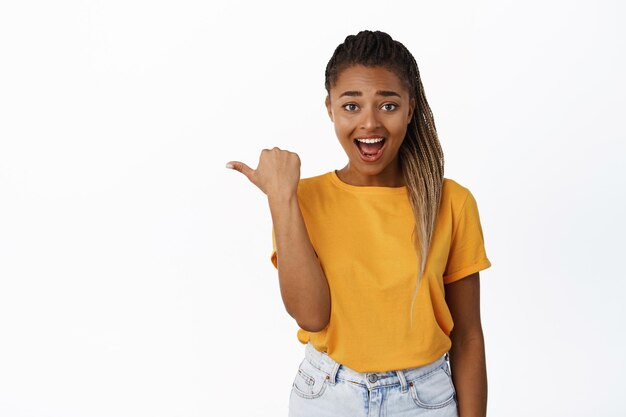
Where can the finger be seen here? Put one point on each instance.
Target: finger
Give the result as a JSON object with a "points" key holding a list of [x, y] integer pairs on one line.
{"points": [[241, 167]]}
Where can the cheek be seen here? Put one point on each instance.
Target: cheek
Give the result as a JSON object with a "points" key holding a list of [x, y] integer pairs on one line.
{"points": [[400, 126], [342, 127]]}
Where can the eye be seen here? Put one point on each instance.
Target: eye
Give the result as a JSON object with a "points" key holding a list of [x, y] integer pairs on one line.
{"points": [[350, 107], [389, 106]]}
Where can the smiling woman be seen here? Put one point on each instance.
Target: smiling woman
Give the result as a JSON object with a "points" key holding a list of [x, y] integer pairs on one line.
{"points": [[379, 260]]}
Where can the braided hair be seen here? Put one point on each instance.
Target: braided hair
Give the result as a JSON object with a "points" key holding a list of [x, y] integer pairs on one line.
{"points": [[421, 155]]}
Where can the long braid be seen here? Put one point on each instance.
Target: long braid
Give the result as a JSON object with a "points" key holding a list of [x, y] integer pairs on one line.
{"points": [[421, 155]]}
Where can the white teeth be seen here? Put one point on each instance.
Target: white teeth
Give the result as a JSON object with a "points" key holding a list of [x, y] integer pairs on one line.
{"points": [[373, 140]]}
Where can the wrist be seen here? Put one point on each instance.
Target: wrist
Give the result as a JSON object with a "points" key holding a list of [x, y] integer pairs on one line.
{"points": [[281, 197]]}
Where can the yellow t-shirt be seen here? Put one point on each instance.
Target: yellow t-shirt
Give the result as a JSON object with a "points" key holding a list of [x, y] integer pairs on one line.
{"points": [[362, 237]]}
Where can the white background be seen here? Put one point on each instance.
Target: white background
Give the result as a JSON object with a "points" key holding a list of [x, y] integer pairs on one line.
{"points": [[135, 277]]}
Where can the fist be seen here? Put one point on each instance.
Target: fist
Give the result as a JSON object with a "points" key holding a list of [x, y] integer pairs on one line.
{"points": [[277, 173]]}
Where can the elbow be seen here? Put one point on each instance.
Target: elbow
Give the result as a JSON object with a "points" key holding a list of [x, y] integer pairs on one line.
{"points": [[310, 318], [313, 326], [311, 315], [313, 323]]}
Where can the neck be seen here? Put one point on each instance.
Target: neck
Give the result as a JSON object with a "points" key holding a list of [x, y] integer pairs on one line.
{"points": [[387, 178]]}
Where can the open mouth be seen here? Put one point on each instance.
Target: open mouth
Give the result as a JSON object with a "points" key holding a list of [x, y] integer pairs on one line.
{"points": [[370, 148]]}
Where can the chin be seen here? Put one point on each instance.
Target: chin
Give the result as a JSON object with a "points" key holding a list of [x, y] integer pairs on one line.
{"points": [[371, 170]]}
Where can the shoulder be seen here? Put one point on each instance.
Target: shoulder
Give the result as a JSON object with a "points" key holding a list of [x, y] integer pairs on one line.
{"points": [[312, 185], [454, 194], [317, 179]]}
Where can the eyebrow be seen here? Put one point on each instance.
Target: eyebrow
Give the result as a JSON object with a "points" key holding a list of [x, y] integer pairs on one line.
{"points": [[384, 93]]}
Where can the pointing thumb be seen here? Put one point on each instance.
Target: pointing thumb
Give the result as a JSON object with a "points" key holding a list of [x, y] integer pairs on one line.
{"points": [[241, 167]]}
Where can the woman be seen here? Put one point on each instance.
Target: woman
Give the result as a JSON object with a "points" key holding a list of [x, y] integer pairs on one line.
{"points": [[379, 260]]}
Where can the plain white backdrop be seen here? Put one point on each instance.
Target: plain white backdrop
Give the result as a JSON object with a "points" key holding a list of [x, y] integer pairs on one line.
{"points": [[135, 277]]}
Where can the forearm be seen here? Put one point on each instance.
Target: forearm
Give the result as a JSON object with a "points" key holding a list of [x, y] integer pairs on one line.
{"points": [[303, 285], [469, 374]]}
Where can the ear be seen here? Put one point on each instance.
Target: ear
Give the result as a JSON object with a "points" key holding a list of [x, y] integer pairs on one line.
{"points": [[329, 109], [411, 109]]}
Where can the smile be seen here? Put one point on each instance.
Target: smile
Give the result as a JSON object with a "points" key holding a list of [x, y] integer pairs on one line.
{"points": [[370, 149]]}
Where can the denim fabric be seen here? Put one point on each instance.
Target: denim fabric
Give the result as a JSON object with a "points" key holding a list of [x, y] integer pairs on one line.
{"points": [[324, 388]]}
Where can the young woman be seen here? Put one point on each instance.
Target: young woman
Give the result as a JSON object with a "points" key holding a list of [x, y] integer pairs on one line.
{"points": [[379, 260]]}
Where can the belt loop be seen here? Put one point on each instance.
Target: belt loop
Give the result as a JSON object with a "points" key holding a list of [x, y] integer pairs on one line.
{"points": [[333, 373], [328, 364], [402, 379]]}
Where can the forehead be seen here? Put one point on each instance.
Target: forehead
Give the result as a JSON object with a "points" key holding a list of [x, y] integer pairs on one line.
{"points": [[367, 80]]}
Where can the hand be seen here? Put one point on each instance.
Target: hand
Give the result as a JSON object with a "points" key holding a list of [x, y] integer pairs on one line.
{"points": [[278, 172]]}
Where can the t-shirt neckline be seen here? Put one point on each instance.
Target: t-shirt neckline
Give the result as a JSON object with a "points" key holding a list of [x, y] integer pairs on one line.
{"points": [[371, 189]]}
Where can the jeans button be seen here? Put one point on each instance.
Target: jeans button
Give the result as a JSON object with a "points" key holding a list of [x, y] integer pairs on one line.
{"points": [[372, 378]]}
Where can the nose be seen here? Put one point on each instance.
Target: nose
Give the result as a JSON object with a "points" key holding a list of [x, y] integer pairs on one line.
{"points": [[369, 120]]}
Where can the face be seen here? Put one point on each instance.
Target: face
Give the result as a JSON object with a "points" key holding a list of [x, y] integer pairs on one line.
{"points": [[371, 109]]}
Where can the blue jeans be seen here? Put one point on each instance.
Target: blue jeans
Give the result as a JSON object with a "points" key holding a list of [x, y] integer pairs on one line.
{"points": [[325, 388]]}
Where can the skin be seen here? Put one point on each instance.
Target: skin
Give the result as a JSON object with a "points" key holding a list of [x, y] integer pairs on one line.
{"points": [[367, 102], [467, 355], [376, 104]]}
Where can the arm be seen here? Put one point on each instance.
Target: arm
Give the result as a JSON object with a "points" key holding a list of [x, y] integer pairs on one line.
{"points": [[467, 355], [303, 285]]}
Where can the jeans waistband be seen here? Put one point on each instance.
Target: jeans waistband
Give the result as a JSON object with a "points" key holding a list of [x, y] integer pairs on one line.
{"points": [[372, 380]]}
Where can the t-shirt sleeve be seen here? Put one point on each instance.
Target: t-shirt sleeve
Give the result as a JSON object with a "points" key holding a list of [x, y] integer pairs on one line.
{"points": [[273, 257], [467, 250]]}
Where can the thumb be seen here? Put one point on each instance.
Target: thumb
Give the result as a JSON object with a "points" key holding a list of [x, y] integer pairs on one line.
{"points": [[241, 167]]}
